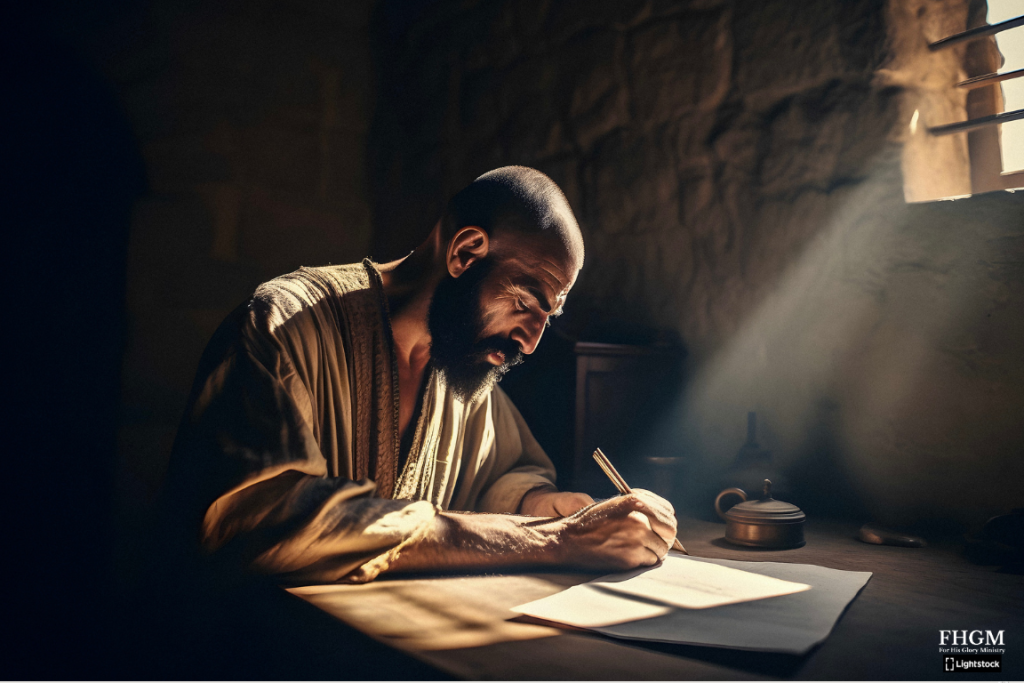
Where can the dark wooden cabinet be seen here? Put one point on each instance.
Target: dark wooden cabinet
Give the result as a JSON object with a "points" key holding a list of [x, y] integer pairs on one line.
{"points": [[624, 395]]}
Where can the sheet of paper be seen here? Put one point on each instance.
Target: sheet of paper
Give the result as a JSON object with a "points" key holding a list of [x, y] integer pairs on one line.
{"points": [[792, 623], [679, 581], [590, 606]]}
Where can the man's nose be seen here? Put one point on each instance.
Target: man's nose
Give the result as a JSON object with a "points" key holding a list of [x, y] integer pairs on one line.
{"points": [[529, 331]]}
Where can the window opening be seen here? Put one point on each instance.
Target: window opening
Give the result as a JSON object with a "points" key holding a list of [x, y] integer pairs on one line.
{"points": [[1011, 45]]}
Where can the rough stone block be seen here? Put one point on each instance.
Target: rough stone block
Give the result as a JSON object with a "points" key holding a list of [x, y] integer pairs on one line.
{"points": [[662, 8], [825, 136], [701, 211], [676, 65], [634, 185], [532, 106], [737, 145], [869, 141], [592, 71], [694, 132], [570, 17], [799, 154], [801, 38], [495, 34], [862, 35]]}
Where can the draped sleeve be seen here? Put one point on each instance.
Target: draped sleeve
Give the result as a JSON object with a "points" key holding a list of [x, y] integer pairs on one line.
{"points": [[249, 471]]}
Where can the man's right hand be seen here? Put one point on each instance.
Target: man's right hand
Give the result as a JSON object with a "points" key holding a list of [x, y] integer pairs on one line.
{"points": [[635, 530]]}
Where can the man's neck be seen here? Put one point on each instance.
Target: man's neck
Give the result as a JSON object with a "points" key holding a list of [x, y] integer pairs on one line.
{"points": [[409, 285]]}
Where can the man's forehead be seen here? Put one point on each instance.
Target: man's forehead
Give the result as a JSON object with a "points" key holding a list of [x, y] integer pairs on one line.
{"points": [[543, 270], [543, 259]]}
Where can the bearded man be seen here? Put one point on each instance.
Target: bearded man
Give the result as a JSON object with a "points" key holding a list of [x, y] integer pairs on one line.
{"points": [[346, 419]]}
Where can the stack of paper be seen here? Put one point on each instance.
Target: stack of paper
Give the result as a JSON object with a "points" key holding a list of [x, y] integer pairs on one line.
{"points": [[767, 606]]}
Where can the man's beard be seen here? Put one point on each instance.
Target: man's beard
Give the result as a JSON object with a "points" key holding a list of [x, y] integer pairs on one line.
{"points": [[456, 323]]}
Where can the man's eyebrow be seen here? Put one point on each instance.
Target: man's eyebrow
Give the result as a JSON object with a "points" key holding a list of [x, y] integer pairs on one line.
{"points": [[533, 286], [541, 298]]}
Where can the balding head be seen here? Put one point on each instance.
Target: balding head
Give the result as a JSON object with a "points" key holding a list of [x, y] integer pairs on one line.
{"points": [[516, 199], [511, 252]]}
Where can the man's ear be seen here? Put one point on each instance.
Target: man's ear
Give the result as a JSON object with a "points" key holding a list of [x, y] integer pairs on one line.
{"points": [[469, 245]]}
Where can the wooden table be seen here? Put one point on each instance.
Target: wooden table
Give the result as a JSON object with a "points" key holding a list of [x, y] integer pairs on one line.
{"points": [[463, 626]]}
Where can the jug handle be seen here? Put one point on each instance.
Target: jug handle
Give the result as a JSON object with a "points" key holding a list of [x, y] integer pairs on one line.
{"points": [[718, 499]]}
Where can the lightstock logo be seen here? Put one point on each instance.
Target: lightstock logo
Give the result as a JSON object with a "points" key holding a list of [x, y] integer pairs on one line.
{"points": [[971, 650]]}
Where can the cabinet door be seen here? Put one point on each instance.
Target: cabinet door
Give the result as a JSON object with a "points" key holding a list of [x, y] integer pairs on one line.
{"points": [[622, 395]]}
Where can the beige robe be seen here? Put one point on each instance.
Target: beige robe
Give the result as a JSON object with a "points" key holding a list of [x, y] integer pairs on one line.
{"points": [[287, 456]]}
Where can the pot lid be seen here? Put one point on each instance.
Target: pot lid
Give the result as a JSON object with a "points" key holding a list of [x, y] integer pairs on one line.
{"points": [[765, 511]]}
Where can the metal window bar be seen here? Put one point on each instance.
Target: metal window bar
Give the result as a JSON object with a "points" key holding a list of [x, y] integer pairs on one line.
{"points": [[980, 81], [989, 79], [980, 122], [975, 33]]}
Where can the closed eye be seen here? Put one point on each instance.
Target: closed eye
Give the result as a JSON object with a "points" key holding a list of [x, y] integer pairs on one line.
{"points": [[526, 297]]}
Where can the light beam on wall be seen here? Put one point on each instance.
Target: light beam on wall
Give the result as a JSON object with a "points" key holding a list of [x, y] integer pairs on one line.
{"points": [[869, 336]]}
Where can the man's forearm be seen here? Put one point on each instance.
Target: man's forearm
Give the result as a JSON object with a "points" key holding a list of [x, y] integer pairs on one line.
{"points": [[617, 534], [481, 541]]}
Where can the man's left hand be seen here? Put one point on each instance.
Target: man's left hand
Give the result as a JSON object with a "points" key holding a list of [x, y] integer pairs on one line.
{"points": [[547, 503]]}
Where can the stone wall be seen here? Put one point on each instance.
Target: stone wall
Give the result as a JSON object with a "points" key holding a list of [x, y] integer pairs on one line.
{"points": [[736, 168], [734, 119]]}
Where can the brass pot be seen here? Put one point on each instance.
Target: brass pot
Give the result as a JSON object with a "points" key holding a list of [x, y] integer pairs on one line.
{"points": [[765, 523]]}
